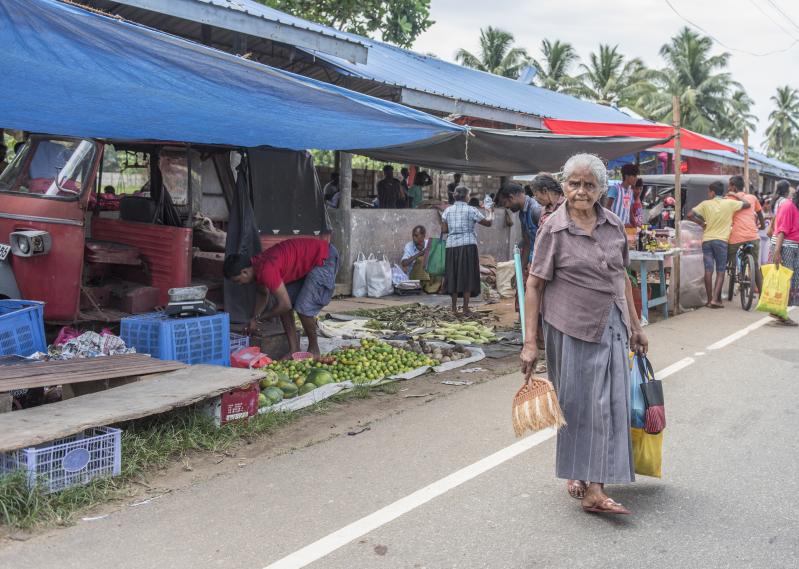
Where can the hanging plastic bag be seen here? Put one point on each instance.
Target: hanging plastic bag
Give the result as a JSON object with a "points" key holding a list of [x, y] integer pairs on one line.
{"points": [[359, 275], [776, 288], [378, 278], [398, 275], [637, 405], [647, 452], [437, 257]]}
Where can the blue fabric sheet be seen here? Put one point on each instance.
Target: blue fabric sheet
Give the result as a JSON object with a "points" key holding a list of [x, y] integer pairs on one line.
{"points": [[69, 71]]}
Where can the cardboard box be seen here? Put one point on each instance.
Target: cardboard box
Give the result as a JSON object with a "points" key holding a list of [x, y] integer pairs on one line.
{"points": [[236, 405]]}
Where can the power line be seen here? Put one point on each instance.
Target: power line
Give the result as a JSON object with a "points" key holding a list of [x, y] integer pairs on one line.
{"points": [[772, 19], [780, 10], [725, 46]]}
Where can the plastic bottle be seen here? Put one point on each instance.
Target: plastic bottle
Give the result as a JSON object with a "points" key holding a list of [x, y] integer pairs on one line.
{"points": [[487, 202]]}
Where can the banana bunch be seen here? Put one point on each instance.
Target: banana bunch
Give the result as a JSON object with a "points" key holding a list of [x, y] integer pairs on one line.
{"points": [[465, 334]]}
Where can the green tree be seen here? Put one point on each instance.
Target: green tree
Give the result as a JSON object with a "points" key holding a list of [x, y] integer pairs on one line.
{"points": [[782, 134], [608, 79], [553, 70], [399, 21], [497, 56], [740, 119], [695, 77]]}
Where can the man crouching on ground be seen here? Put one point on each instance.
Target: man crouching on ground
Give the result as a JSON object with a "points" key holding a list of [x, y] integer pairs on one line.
{"points": [[300, 273]]}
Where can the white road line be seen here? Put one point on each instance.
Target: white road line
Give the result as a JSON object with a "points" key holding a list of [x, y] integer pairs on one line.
{"points": [[741, 333], [335, 540], [345, 535], [674, 368]]}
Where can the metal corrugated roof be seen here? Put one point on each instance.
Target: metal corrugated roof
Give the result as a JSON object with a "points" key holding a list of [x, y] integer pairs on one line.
{"points": [[395, 66], [771, 165]]}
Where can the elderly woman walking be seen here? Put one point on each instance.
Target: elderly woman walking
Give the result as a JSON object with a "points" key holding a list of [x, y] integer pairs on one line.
{"points": [[579, 283], [462, 272]]}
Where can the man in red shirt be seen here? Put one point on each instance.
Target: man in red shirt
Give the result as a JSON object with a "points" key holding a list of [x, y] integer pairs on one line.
{"points": [[300, 273]]}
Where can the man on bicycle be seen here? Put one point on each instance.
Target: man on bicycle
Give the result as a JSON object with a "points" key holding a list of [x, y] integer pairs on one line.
{"points": [[745, 224]]}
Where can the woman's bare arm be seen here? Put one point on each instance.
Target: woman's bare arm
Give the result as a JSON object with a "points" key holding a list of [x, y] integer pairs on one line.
{"points": [[532, 306]]}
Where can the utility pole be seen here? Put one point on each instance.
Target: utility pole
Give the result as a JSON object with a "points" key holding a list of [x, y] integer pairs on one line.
{"points": [[675, 271], [746, 161]]}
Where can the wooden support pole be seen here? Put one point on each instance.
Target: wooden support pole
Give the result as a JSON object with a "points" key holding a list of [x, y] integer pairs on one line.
{"points": [[345, 217], [675, 271], [746, 161]]}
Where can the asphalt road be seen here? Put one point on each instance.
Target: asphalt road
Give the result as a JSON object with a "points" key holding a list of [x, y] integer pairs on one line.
{"points": [[726, 498]]}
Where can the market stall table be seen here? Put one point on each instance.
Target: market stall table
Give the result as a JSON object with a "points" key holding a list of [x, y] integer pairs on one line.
{"points": [[659, 256]]}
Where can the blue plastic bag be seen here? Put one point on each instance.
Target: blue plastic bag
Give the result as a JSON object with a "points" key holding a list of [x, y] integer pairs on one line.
{"points": [[637, 406]]}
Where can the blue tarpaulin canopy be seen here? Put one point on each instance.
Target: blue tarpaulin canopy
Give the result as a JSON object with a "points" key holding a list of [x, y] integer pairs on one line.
{"points": [[70, 71]]}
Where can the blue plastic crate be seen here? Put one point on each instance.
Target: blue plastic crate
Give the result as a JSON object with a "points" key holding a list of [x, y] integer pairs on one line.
{"points": [[21, 327], [201, 340]]}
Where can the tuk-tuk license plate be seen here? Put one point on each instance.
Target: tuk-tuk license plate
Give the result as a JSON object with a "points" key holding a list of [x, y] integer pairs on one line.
{"points": [[4, 250]]}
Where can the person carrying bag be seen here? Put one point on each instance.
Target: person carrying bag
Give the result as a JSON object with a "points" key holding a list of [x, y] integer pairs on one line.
{"points": [[648, 418]]}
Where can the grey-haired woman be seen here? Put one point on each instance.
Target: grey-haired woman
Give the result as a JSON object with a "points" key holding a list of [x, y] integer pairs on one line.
{"points": [[462, 273], [579, 283]]}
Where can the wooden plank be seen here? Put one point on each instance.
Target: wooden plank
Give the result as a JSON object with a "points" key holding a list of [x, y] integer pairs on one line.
{"points": [[21, 429], [80, 370]]}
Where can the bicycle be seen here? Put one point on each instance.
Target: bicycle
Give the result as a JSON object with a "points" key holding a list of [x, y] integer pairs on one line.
{"points": [[742, 271]]}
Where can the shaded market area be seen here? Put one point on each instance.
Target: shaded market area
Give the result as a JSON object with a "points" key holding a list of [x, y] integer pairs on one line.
{"points": [[175, 258]]}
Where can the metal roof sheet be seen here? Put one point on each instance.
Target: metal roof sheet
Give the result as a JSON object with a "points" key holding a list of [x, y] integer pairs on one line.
{"points": [[400, 67]]}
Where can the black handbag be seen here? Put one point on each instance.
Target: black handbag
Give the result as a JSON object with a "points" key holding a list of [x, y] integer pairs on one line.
{"points": [[652, 390]]}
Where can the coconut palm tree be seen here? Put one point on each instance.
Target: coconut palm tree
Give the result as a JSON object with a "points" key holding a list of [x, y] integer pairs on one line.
{"points": [[695, 77], [739, 119], [782, 135], [610, 80], [496, 56], [553, 71]]}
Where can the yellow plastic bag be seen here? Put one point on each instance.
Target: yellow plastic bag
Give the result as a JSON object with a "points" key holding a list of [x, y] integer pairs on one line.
{"points": [[776, 287], [647, 452]]}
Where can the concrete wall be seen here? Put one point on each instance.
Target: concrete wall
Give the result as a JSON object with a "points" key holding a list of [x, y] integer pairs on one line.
{"points": [[386, 231]]}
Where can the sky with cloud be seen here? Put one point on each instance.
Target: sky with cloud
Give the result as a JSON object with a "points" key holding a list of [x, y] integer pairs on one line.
{"points": [[639, 28]]}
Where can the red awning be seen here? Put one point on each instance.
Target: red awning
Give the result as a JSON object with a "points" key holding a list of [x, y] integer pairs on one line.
{"points": [[690, 140]]}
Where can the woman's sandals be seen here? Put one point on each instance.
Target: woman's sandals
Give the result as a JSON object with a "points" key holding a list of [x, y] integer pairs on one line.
{"points": [[576, 489], [614, 507]]}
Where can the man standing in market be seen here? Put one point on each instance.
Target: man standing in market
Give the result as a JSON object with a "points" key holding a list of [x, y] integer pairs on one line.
{"points": [[451, 188], [620, 196], [717, 215], [745, 225], [300, 273], [389, 189]]}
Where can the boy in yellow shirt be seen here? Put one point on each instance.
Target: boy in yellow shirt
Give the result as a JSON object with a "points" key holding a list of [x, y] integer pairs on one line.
{"points": [[717, 215]]}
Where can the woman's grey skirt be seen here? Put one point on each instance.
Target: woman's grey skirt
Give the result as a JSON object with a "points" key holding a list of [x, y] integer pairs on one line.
{"points": [[592, 382]]}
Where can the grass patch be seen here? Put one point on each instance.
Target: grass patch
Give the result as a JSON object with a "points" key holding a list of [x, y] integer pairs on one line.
{"points": [[149, 443]]}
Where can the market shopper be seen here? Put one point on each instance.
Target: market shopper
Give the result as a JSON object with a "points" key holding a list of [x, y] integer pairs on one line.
{"points": [[389, 190], [451, 188], [780, 197], [513, 197], [716, 222], [331, 188], [416, 191], [637, 208], [462, 265], [765, 240], [785, 249], [745, 226], [413, 261], [548, 193], [578, 281], [300, 273], [620, 196]]}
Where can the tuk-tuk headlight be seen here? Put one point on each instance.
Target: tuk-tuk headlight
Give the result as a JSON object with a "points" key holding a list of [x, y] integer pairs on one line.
{"points": [[30, 243]]}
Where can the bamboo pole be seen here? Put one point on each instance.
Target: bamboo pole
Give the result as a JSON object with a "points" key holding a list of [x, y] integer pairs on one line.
{"points": [[675, 271], [746, 161]]}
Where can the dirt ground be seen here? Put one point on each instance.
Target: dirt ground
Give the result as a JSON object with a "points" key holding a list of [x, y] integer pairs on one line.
{"points": [[336, 419]]}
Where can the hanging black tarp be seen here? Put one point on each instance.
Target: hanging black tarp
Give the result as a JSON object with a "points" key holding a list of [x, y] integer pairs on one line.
{"points": [[287, 196], [510, 151]]}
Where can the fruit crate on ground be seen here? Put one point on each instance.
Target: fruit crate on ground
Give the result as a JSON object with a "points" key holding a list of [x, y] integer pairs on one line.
{"points": [[21, 327], [201, 340], [68, 461]]}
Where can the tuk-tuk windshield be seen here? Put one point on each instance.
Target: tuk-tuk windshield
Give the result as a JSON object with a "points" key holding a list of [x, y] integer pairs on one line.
{"points": [[50, 167]]}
